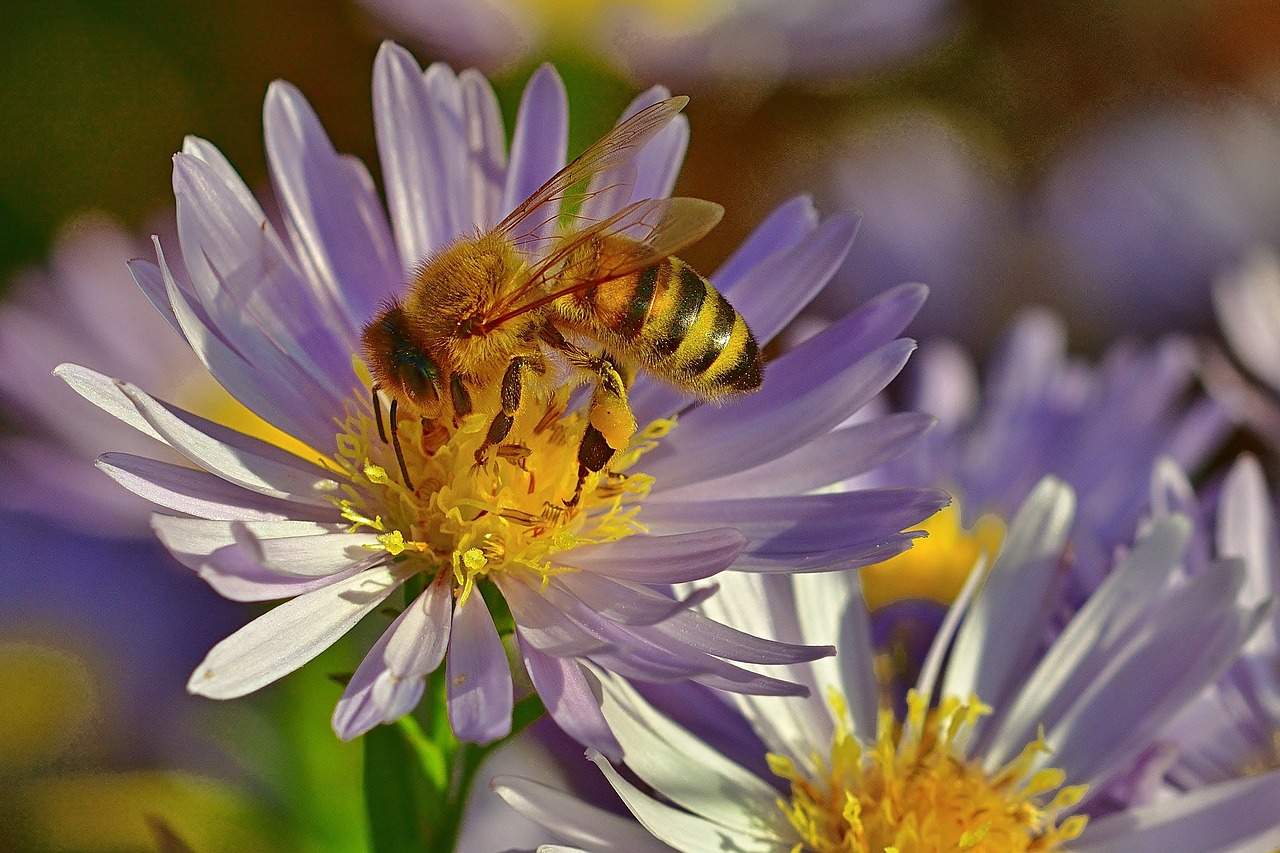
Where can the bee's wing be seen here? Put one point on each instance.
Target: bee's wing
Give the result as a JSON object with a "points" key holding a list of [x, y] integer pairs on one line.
{"points": [[655, 228], [612, 150]]}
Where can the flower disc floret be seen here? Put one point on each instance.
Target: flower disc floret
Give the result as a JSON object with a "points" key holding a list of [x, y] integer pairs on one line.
{"points": [[915, 791], [509, 514]]}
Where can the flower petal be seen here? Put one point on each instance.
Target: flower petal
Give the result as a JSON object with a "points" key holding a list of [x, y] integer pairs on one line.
{"points": [[420, 634], [823, 461], [576, 822], [419, 146], [538, 148], [1238, 815], [687, 771], [571, 696], [334, 216], [683, 831], [480, 688], [286, 637], [647, 558], [202, 494], [998, 639]]}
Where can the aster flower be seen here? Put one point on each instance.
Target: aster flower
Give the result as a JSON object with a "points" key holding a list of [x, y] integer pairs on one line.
{"points": [[1001, 746], [1231, 731], [1099, 427], [486, 550], [699, 42], [1144, 210], [85, 306]]}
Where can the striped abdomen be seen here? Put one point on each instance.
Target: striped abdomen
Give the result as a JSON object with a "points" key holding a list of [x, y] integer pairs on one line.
{"points": [[674, 323]]}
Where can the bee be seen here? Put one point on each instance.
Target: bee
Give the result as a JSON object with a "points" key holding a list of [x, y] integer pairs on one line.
{"points": [[496, 312]]}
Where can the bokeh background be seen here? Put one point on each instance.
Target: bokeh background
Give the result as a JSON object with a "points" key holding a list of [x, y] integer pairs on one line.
{"points": [[1104, 159]]}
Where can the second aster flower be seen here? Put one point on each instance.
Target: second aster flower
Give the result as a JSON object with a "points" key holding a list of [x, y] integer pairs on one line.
{"points": [[480, 551]]}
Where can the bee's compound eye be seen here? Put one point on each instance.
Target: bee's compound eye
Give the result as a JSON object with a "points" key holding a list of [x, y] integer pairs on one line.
{"points": [[418, 375]]}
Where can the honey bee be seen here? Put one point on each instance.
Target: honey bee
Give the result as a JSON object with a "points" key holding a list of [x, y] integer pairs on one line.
{"points": [[604, 298]]}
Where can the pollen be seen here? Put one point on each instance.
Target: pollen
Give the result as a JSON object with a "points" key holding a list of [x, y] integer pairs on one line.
{"points": [[935, 567], [915, 791], [477, 520]]}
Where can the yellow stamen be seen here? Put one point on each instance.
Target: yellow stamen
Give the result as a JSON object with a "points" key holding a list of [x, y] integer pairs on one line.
{"points": [[915, 791], [510, 514]]}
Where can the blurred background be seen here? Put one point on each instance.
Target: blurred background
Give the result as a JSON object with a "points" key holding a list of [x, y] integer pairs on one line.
{"points": [[1104, 159]]}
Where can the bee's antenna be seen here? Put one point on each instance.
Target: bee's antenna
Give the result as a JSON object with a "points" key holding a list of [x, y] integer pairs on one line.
{"points": [[377, 413], [395, 442]]}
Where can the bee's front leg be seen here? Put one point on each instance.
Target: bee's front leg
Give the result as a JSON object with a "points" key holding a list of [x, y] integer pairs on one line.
{"points": [[509, 398]]}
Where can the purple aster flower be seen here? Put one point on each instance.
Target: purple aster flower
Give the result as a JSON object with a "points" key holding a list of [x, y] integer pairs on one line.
{"points": [[1232, 731], [86, 307], [936, 208], [337, 528], [692, 43], [1099, 427], [1001, 747], [1142, 212]]}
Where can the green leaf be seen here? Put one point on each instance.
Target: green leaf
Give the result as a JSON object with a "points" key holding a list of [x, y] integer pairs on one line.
{"points": [[405, 813]]}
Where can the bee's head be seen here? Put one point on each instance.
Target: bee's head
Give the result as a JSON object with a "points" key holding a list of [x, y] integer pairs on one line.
{"points": [[400, 365]]}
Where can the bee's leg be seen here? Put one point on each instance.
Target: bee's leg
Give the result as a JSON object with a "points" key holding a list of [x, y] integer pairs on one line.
{"points": [[460, 396], [593, 454], [395, 442], [609, 412], [509, 396], [610, 424], [377, 414]]}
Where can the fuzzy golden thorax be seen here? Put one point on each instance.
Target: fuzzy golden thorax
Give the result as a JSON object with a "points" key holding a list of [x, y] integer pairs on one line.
{"points": [[454, 298]]}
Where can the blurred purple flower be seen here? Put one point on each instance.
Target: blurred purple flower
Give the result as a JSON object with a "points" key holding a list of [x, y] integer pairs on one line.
{"points": [[937, 210], [1099, 427], [132, 619], [1247, 298], [84, 307], [708, 42], [277, 319], [87, 308], [996, 726], [1142, 212]]}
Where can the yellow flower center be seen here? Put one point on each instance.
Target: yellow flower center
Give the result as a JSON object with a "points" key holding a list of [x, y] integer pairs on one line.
{"points": [[914, 791], [1265, 759], [935, 567], [508, 514]]}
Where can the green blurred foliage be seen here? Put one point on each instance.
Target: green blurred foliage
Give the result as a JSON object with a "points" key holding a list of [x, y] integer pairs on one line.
{"points": [[95, 97]]}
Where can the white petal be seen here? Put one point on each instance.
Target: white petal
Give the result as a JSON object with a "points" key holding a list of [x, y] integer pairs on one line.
{"points": [[575, 821], [999, 635], [421, 633], [277, 643], [687, 771], [481, 695], [682, 830], [1086, 646]]}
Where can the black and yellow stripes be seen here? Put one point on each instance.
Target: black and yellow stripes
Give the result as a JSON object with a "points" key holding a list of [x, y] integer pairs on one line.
{"points": [[673, 322]]}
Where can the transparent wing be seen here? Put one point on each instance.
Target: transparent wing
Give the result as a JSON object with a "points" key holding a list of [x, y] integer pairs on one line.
{"points": [[612, 150], [653, 229]]}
